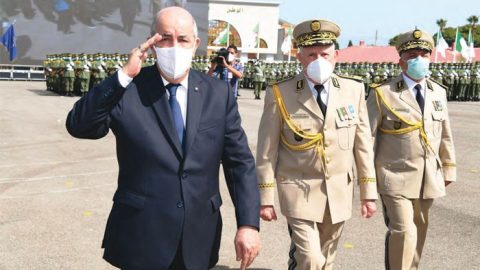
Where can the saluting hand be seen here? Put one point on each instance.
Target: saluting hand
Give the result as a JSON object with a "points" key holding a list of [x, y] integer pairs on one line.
{"points": [[138, 55], [267, 213], [368, 208]]}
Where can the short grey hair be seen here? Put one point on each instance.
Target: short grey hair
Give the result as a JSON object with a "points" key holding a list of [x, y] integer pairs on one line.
{"points": [[153, 28]]}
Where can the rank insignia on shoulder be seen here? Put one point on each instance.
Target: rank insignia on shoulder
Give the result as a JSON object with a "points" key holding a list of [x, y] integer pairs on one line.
{"points": [[429, 85], [300, 85], [397, 125], [437, 104], [400, 85], [335, 82]]}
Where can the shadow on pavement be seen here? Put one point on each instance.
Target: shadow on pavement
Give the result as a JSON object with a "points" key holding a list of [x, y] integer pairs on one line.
{"points": [[223, 267], [43, 92]]}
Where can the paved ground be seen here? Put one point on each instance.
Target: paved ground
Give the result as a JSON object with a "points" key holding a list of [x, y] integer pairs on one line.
{"points": [[56, 193]]}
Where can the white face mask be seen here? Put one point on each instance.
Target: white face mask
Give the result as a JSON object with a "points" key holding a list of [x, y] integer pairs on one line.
{"points": [[174, 62], [319, 71], [231, 57]]}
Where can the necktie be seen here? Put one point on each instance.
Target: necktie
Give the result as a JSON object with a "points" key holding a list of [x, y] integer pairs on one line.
{"points": [[176, 112], [323, 106], [419, 97]]}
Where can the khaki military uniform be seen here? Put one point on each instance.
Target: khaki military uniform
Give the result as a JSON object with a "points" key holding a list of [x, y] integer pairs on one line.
{"points": [[414, 152], [414, 155], [316, 185]]}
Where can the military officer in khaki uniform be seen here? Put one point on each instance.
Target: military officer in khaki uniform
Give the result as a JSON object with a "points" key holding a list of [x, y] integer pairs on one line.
{"points": [[414, 154], [313, 131]]}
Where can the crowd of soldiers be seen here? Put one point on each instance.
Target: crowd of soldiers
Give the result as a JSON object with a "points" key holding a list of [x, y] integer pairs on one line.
{"points": [[256, 71], [73, 74], [462, 80]]}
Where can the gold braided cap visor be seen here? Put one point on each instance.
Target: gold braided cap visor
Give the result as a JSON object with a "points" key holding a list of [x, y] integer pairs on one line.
{"points": [[319, 38], [415, 44]]}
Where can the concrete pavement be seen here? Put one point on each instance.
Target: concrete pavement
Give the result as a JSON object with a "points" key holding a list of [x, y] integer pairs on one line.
{"points": [[56, 192]]}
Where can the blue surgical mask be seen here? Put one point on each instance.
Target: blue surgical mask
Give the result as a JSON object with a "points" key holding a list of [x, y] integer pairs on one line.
{"points": [[418, 67]]}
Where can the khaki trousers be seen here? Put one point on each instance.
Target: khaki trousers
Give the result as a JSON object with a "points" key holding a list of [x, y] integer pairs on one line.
{"points": [[314, 244], [407, 222]]}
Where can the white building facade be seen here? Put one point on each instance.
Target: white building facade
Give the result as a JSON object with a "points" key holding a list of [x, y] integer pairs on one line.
{"points": [[253, 27]]}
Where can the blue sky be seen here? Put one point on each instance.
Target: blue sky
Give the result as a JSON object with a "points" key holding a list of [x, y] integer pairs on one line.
{"points": [[360, 19]]}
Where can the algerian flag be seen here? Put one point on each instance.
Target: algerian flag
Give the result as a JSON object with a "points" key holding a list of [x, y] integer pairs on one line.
{"points": [[441, 44], [471, 50], [287, 42], [465, 48], [457, 47], [222, 38]]}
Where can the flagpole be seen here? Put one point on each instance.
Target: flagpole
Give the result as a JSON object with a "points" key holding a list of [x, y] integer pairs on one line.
{"points": [[436, 51], [455, 47], [258, 42], [290, 42], [470, 46]]}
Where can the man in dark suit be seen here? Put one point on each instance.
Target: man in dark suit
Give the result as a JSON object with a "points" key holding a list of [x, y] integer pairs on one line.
{"points": [[173, 127]]}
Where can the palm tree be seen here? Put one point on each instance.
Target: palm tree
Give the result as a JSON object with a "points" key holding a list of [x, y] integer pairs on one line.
{"points": [[473, 20], [441, 23]]}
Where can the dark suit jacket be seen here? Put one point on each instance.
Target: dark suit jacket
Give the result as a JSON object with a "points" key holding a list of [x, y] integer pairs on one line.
{"points": [[167, 196]]}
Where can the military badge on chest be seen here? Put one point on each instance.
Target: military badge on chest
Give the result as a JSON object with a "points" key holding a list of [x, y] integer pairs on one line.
{"points": [[438, 105], [346, 113]]}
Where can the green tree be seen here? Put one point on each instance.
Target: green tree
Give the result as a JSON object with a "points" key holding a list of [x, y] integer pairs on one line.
{"points": [[449, 34], [350, 43], [473, 20], [393, 40], [441, 23]]}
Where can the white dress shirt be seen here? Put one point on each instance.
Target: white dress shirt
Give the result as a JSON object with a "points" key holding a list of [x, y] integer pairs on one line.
{"points": [[182, 96], [323, 94], [411, 86]]}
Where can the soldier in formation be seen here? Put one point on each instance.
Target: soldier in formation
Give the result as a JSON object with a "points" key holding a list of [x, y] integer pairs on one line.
{"points": [[73, 74], [462, 80]]}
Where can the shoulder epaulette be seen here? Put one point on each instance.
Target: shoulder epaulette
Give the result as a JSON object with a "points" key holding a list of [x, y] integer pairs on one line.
{"points": [[284, 80], [351, 77], [376, 85], [439, 83]]}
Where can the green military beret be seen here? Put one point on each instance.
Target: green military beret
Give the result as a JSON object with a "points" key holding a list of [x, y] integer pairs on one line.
{"points": [[315, 32], [416, 39]]}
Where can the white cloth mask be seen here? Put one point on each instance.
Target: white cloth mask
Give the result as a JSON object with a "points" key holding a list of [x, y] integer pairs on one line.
{"points": [[319, 71], [174, 61]]}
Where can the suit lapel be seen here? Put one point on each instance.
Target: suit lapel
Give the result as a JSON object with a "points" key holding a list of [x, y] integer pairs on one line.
{"points": [[307, 99], [333, 92], [161, 108], [406, 96], [194, 107], [428, 98]]}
